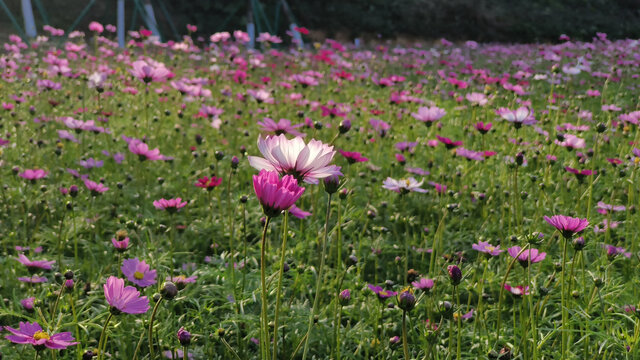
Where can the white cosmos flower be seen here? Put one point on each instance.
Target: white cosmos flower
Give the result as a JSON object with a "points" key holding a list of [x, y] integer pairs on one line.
{"points": [[403, 186], [306, 162]]}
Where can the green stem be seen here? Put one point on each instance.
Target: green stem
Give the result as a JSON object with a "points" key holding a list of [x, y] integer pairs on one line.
{"points": [[318, 280], [563, 302], [264, 338], [459, 321], [279, 288], [405, 344], [104, 330], [153, 315]]}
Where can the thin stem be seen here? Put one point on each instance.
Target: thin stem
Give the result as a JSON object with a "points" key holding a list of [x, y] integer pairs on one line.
{"points": [[319, 279], [563, 303], [153, 315], [264, 338], [459, 319], [279, 288], [104, 330], [405, 344]]}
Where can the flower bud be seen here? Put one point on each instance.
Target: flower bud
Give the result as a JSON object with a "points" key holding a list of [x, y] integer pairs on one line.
{"points": [[406, 300], [184, 337], [344, 297], [331, 184], [345, 126], [455, 274], [169, 290]]}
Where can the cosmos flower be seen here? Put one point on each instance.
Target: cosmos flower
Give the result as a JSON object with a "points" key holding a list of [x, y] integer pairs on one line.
{"points": [[298, 213], [124, 299], [138, 272], [33, 174], [283, 126], [353, 156], [571, 142], [529, 255], [305, 162], [485, 247], [94, 187], [275, 194], [403, 186], [567, 225], [429, 115], [150, 72], [423, 284], [35, 279], [613, 251], [517, 290], [142, 150], [448, 143], [32, 333], [34, 265], [482, 127], [170, 205], [477, 99], [121, 245], [209, 183], [519, 117], [381, 293]]}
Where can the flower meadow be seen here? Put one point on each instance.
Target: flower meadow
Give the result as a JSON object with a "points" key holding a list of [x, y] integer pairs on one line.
{"points": [[203, 200]]}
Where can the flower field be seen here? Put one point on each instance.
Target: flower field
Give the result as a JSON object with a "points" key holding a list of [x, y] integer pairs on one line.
{"points": [[203, 200]]}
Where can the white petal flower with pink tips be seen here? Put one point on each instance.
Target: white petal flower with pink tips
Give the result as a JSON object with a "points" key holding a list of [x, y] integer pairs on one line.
{"points": [[306, 162]]}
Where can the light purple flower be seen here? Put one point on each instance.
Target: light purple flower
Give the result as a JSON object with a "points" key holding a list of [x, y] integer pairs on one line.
{"points": [[138, 272]]}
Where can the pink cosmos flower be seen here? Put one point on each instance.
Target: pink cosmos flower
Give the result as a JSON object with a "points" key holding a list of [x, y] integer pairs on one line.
{"points": [[298, 213], [94, 187], [403, 186], [571, 142], [603, 208], [482, 127], [138, 272], [469, 154], [275, 194], [142, 150], [381, 127], [517, 290], [34, 265], [477, 99], [181, 281], [33, 174], [124, 299], [150, 73], [171, 205], [121, 245], [567, 225], [532, 255], [305, 162], [209, 183], [283, 126], [448, 143], [519, 117], [96, 26], [352, 156], [580, 174], [35, 279], [485, 247], [423, 284], [429, 115], [32, 333], [613, 251], [381, 293]]}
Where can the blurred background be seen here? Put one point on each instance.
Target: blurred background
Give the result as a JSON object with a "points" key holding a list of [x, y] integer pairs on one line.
{"points": [[403, 20]]}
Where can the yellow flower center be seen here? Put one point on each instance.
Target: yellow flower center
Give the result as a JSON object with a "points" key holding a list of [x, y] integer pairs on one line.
{"points": [[490, 248], [138, 275], [39, 335], [407, 182], [636, 160]]}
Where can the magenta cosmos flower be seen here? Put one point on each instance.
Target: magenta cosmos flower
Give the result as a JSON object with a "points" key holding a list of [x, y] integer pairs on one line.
{"points": [[142, 150], [283, 126], [403, 186], [209, 183], [171, 205], [120, 245], [32, 333], [429, 115], [124, 299], [305, 162], [485, 247], [33, 174], [567, 225], [532, 255], [380, 292], [448, 143], [138, 272], [35, 264], [353, 156], [275, 194]]}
